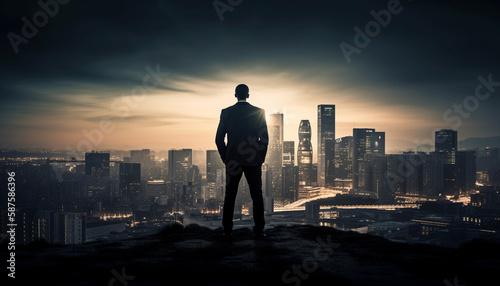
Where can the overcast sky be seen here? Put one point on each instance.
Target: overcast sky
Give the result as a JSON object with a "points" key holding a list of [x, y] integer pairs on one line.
{"points": [[155, 74]]}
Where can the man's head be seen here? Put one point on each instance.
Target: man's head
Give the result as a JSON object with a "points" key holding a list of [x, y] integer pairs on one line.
{"points": [[241, 92]]}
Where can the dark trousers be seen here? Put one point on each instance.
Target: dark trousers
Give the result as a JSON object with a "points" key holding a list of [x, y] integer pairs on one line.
{"points": [[253, 174]]}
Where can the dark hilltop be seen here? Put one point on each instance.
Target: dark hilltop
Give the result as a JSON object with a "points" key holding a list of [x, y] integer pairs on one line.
{"points": [[289, 255]]}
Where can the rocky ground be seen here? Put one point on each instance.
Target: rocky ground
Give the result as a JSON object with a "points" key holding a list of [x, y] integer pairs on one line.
{"points": [[289, 255]]}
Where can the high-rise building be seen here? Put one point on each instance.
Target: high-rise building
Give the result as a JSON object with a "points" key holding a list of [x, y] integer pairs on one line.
{"points": [[366, 141], [27, 226], [274, 157], [179, 164], [378, 180], [97, 164], [62, 227], [155, 189], [200, 160], [74, 225], [130, 180], [326, 145], [288, 153], [290, 172], [305, 154], [446, 143], [146, 159], [466, 171], [97, 173], [214, 163], [415, 174], [72, 194], [343, 158], [394, 177], [433, 174], [266, 189], [220, 183], [492, 156]]}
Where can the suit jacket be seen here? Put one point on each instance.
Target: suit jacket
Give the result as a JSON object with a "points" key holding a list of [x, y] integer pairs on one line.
{"points": [[247, 137]]}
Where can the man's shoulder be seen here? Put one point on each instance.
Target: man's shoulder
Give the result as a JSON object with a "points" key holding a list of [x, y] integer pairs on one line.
{"points": [[238, 106]]}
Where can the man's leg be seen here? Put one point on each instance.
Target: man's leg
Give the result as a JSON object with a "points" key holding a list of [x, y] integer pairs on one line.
{"points": [[232, 180], [254, 179]]}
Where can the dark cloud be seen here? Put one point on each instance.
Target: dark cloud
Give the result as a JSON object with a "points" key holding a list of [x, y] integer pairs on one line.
{"points": [[429, 55]]}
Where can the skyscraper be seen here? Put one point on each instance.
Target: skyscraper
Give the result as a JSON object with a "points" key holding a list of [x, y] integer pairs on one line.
{"points": [[179, 164], [274, 157], [97, 164], [130, 180], [378, 180], [433, 174], [343, 158], [396, 182], [415, 174], [62, 227], [288, 153], [290, 172], [305, 154], [491, 156], [214, 163], [326, 145], [367, 143], [97, 174], [466, 170], [146, 159], [446, 144], [73, 225]]}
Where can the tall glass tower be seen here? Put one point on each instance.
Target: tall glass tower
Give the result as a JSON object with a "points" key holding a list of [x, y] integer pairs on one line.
{"points": [[446, 144], [367, 144], [305, 154], [274, 158], [326, 145]]}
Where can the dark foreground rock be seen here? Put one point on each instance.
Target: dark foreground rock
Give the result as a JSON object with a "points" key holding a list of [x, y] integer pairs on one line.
{"points": [[289, 255]]}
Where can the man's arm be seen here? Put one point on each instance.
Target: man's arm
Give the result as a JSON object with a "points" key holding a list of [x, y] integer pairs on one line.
{"points": [[219, 139]]}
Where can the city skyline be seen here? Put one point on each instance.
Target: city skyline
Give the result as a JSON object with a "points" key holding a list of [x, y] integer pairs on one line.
{"points": [[98, 139], [142, 184], [425, 144]]}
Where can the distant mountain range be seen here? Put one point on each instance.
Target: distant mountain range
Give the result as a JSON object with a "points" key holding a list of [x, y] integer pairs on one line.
{"points": [[479, 143], [395, 146]]}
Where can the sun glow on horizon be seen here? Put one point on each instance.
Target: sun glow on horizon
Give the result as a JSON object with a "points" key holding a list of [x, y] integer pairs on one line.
{"points": [[183, 112]]}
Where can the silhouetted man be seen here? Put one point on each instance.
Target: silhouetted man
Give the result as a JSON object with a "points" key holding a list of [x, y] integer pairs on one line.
{"points": [[244, 153]]}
